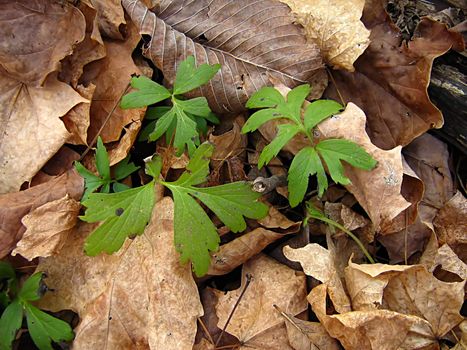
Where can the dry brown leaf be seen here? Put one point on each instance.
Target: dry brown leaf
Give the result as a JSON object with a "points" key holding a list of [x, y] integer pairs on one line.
{"points": [[373, 330], [14, 206], [391, 78], [47, 228], [252, 40], [227, 145], [450, 225], [275, 220], [36, 35], [110, 17], [31, 131], [111, 75], [449, 261], [119, 152], [335, 27], [272, 284], [138, 298], [318, 262]]}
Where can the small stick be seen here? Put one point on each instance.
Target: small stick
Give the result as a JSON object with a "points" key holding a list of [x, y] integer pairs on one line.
{"points": [[206, 331], [267, 184], [248, 281]]}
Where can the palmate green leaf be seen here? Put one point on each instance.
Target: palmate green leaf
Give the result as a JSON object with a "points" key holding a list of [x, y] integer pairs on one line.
{"points": [[45, 328], [333, 151], [124, 214], [266, 97], [102, 161], [260, 117], [296, 97], [304, 164], [124, 169], [285, 132], [190, 77], [156, 112], [10, 323], [31, 289], [149, 93], [6, 271], [91, 181], [320, 110], [195, 234]]}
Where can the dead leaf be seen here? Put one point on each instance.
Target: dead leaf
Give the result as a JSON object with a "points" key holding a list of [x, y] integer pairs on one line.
{"points": [[138, 298], [119, 152], [373, 330], [227, 145], [318, 262], [252, 40], [272, 284], [335, 27], [36, 35], [449, 261], [47, 228], [14, 206], [275, 220], [391, 78], [31, 131], [450, 224], [110, 17]]}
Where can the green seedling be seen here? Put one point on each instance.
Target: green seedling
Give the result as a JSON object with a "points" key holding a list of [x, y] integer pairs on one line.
{"points": [[311, 159]]}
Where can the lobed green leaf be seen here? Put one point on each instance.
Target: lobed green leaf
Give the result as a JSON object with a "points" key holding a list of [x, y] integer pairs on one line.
{"points": [[320, 110], [284, 134], [266, 97], [10, 323], [149, 93], [102, 160], [31, 289], [189, 77]]}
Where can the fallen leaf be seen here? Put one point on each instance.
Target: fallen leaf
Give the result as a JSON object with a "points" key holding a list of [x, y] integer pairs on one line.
{"points": [[121, 150], [335, 27], [373, 330], [318, 263], [110, 17], [14, 206], [227, 145], [391, 78], [252, 40], [271, 284], [31, 131], [36, 35], [450, 224], [155, 308], [449, 261], [47, 228], [275, 220], [344, 216]]}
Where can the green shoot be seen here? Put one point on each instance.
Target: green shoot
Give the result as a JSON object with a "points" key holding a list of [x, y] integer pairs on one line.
{"points": [[309, 161], [313, 213], [182, 122], [43, 327], [104, 181]]}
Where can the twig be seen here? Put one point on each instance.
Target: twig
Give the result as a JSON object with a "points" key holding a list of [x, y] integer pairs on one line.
{"points": [[248, 281], [337, 88], [267, 184], [206, 331]]}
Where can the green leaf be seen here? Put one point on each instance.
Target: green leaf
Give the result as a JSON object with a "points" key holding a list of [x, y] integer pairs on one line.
{"points": [[260, 117], [197, 106], [147, 130], [265, 97], [124, 213], [335, 150], [153, 166], [149, 93], [6, 271], [318, 111], [102, 160], [45, 328], [296, 97], [124, 169], [119, 187], [91, 181], [197, 168], [10, 323], [31, 289], [156, 112], [284, 134], [186, 132], [162, 125], [189, 77], [304, 164]]}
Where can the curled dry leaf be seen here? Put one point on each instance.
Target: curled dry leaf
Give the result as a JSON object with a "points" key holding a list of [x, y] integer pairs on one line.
{"points": [[447, 260], [119, 151], [155, 307], [391, 78], [31, 130], [29, 54], [47, 228], [14, 206], [110, 17], [335, 27], [253, 41], [229, 144], [255, 319], [318, 262]]}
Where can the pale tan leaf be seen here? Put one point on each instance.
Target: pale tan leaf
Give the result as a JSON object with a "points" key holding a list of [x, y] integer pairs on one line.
{"points": [[119, 151], [14, 206], [272, 284], [31, 131], [110, 17], [47, 228], [276, 220], [36, 35], [335, 27], [449, 261], [138, 298], [318, 262]]}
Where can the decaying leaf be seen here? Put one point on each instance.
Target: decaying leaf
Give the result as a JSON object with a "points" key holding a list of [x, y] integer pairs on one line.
{"points": [[271, 284], [31, 131], [446, 259], [391, 78], [140, 297], [252, 40], [335, 27], [47, 228], [14, 206], [36, 35], [110, 17]]}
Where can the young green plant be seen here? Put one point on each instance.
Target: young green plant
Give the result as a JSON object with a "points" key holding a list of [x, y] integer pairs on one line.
{"points": [[127, 213], [183, 121], [16, 302], [309, 160]]}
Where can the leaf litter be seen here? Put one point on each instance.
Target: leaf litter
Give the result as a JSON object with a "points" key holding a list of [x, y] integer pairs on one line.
{"points": [[407, 213]]}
